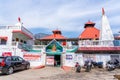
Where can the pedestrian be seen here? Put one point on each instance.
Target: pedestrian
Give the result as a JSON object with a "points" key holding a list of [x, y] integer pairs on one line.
{"points": [[77, 67]]}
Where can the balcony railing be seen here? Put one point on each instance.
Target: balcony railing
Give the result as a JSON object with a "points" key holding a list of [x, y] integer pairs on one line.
{"points": [[23, 29], [10, 27], [37, 47], [22, 45], [99, 45], [14, 27], [96, 43]]}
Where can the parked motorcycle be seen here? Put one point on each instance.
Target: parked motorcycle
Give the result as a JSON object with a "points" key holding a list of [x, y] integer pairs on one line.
{"points": [[117, 63], [97, 64], [88, 66], [112, 65]]}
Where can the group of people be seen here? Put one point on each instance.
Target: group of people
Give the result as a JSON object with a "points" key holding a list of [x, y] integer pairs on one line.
{"points": [[87, 66]]}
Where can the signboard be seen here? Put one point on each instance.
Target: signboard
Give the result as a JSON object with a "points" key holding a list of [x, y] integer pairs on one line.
{"points": [[89, 57], [69, 57], [32, 56], [6, 54], [79, 58], [50, 60]]}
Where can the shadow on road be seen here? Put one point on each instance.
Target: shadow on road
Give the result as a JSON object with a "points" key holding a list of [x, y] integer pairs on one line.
{"points": [[12, 73]]}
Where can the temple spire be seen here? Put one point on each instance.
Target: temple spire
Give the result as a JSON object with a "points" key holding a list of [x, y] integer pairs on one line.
{"points": [[103, 11], [19, 20], [105, 31]]}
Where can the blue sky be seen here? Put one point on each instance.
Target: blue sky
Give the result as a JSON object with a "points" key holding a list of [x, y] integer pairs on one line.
{"points": [[69, 16]]}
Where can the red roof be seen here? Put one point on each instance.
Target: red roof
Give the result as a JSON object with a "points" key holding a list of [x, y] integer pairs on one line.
{"points": [[55, 35], [89, 22], [90, 33]]}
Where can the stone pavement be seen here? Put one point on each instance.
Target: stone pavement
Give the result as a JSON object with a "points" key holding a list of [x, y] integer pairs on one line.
{"points": [[56, 73], [95, 74]]}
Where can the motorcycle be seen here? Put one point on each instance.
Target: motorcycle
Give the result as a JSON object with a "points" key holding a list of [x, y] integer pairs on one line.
{"points": [[88, 66], [110, 66], [117, 63], [97, 64]]}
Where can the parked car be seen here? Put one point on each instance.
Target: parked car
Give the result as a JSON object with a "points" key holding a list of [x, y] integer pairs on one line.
{"points": [[9, 64]]}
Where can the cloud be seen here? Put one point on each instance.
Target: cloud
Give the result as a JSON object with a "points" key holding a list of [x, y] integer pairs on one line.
{"points": [[67, 15]]}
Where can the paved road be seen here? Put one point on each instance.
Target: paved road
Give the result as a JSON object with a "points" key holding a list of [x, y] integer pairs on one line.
{"points": [[56, 73]]}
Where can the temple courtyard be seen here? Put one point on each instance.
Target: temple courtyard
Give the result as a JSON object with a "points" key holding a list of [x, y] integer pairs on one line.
{"points": [[56, 73]]}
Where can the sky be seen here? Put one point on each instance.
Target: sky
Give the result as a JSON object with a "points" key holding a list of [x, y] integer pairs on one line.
{"points": [[69, 16]]}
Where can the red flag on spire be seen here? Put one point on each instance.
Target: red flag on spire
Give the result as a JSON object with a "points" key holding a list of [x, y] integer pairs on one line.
{"points": [[103, 12], [19, 19]]}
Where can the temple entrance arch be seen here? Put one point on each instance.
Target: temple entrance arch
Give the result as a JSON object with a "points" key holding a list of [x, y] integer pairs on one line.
{"points": [[54, 51]]}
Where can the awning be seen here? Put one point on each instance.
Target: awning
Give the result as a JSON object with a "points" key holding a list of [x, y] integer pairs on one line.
{"points": [[2, 37]]}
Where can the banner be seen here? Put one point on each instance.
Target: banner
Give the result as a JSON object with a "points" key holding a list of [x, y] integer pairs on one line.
{"points": [[32, 56], [69, 59], [7, 54], [50, 60], [89, 57]]}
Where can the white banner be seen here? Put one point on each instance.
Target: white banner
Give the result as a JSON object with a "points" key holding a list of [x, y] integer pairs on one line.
{"points": [[50, 60], [32, 56]]}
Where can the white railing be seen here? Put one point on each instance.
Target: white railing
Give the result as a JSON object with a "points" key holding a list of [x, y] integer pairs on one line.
{"points": [[14, 27], [39, 46], [23, 29], [10, 27], [70, 47], [96, 43], [21, 45]]}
